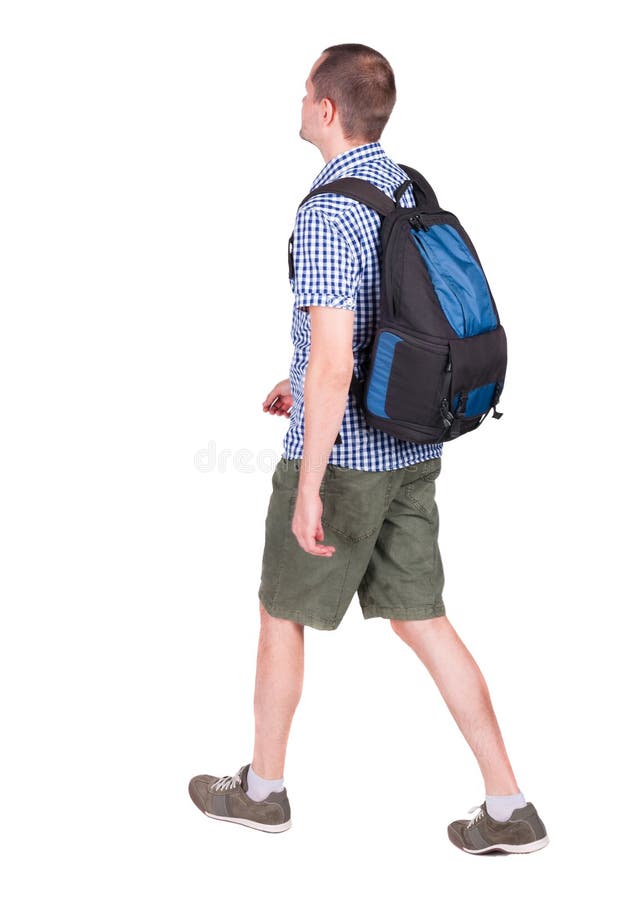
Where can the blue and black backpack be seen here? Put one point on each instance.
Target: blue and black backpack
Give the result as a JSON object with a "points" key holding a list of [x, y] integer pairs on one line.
{"points": [[437, 363]]}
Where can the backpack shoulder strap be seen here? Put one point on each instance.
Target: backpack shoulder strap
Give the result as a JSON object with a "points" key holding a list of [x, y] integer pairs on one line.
{"points": [[357, 189]]}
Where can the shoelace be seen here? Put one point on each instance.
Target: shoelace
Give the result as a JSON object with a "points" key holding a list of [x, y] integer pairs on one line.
{"points": [[227, 782], [478, 816]]}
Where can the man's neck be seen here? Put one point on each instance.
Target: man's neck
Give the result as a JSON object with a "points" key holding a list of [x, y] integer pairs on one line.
{"points": [[335, 148]]}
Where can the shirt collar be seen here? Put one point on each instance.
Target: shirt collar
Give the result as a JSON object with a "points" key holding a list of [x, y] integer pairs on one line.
{"points": [[342, 164]]}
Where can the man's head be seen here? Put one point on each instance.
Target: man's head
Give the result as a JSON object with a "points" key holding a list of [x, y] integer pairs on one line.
{"points": [[350, 93]]}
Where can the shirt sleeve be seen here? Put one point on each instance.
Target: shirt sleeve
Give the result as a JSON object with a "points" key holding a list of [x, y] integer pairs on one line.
{"points": [[327, 270]]}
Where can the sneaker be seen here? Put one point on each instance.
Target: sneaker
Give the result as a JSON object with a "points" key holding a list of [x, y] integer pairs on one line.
{"points": [[226, 799], [522, 833]]}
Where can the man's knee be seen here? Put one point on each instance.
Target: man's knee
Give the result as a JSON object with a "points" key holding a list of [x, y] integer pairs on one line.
{"points": [[414, 628]]}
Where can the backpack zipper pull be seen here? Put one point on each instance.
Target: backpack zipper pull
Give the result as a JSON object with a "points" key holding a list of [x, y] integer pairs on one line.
{"points": [[445, 412], [498, 391], [418, 222]]}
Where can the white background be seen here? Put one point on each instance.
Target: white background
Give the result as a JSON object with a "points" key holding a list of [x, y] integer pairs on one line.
{"points": [[151, 169]]}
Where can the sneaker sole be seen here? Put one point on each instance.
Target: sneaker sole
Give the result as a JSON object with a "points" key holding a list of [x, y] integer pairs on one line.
{"points": [[512, 848], [259, 826]]}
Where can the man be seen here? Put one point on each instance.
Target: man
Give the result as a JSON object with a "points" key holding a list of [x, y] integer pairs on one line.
{"points": [[353, 508]]}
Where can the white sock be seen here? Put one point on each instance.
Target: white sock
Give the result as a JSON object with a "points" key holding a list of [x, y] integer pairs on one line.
{"points": [[259, 788], [501, 806]]}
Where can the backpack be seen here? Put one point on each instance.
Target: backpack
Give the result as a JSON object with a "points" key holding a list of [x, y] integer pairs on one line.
{"points": [[436, 365]]}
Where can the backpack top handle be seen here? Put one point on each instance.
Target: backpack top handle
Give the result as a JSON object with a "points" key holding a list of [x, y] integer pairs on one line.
{"points": [[421, 187], [362, 190]]}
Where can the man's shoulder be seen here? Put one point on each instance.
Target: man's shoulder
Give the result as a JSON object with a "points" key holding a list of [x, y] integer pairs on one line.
{"points": [[383, 173], [330, 206]]}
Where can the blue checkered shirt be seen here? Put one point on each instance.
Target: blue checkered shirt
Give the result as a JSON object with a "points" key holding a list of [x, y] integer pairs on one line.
{"points": [[336, 263]]}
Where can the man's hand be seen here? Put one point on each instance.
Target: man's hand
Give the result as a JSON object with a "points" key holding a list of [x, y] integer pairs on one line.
{"points": [[306, 524], [279, 400]]}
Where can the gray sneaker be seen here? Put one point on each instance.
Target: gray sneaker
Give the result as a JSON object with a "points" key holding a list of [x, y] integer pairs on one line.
{"points": [[226, 798], [522, 833]]}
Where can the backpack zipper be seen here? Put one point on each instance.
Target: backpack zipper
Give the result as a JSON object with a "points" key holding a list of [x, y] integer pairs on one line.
{"points": [[417, 222]]}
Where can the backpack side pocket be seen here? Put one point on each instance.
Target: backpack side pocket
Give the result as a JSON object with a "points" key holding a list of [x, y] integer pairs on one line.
{"points": [[479, 365], [408, 380]]}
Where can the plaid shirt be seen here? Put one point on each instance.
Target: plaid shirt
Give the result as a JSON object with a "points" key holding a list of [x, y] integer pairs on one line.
{"points": [[336, 263]]}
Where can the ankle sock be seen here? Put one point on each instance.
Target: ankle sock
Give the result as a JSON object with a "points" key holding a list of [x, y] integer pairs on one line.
{"points": [[259, 788], [501, 806]]}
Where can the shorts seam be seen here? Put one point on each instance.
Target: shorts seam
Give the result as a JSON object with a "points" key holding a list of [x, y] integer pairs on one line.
{"points": [[288, 530], [422, 509], [347, 537], [344, 581], [409, 612], [403, 613], [313, 621]]}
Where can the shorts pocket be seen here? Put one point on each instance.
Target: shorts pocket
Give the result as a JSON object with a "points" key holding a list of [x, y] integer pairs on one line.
{"points": [[353, 501], [434, 467], [421, 493]]}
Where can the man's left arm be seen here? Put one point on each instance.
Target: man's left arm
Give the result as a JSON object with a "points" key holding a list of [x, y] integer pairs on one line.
{"points": [[327, 380], [327, 275]]}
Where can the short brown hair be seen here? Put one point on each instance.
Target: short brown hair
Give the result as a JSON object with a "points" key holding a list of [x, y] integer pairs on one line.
{"points": [[360, 82]]}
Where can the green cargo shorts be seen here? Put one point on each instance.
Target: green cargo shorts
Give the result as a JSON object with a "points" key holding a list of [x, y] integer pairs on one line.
{"points": [[384, 526]]}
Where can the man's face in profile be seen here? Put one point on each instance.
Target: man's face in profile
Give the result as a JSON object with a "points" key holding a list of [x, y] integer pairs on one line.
{"points": [[310, 109]]}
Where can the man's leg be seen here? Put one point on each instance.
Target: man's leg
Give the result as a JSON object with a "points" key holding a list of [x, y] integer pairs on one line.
{"points": [[279, 683], [461, 683]]}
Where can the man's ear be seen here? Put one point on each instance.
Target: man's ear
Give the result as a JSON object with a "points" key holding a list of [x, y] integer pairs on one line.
{"points": [[328, 111]]}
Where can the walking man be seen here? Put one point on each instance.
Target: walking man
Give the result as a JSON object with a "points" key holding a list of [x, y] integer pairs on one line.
{"points": [[353, 508]]}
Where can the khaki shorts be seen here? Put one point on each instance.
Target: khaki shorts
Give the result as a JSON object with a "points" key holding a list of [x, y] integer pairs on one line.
{"points": [[384, 526]]}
